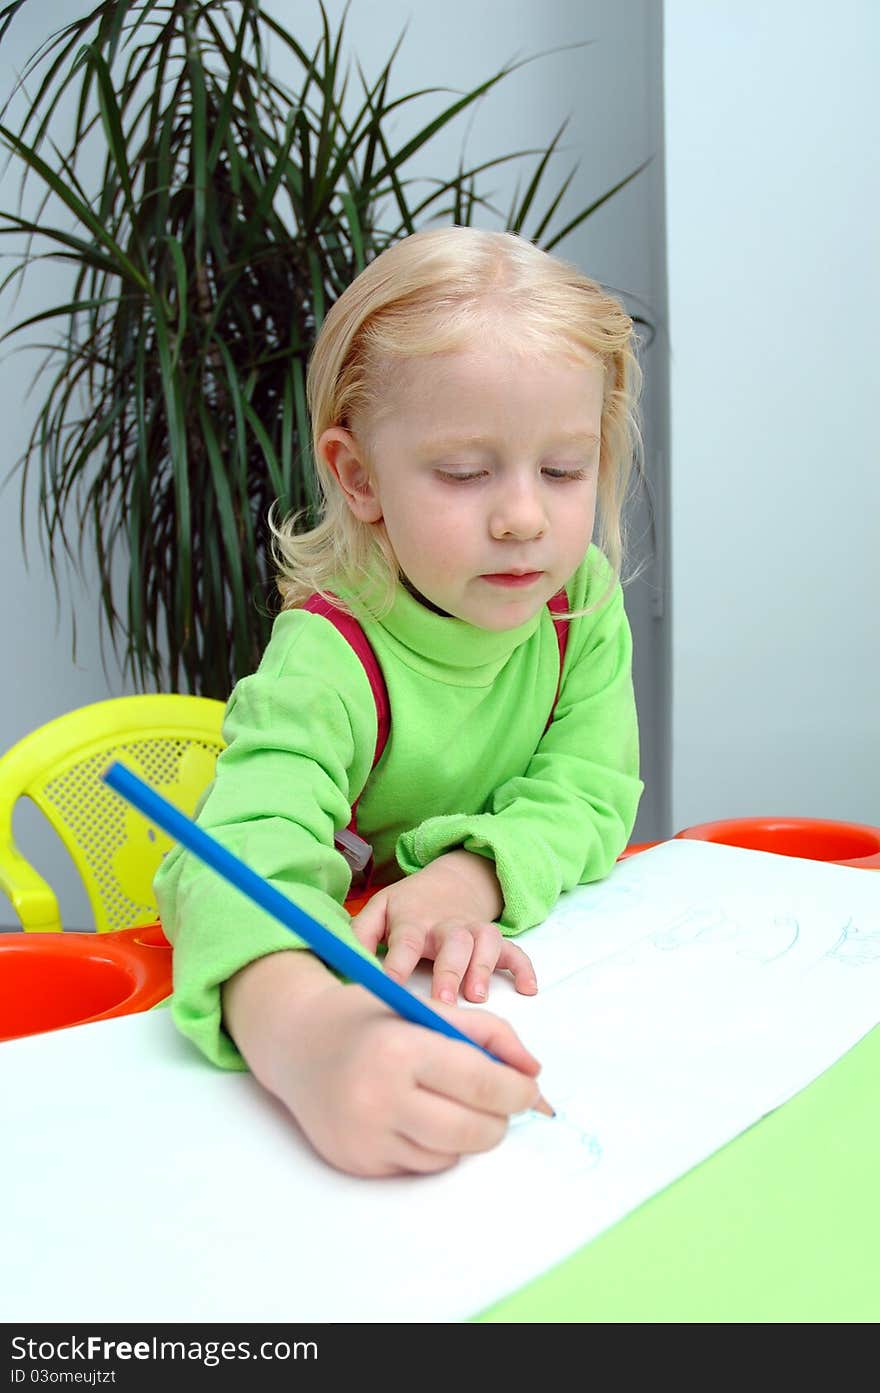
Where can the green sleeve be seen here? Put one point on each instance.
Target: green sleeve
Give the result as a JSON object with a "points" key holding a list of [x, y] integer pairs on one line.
{"points": [[300, 736], [566, 819]]}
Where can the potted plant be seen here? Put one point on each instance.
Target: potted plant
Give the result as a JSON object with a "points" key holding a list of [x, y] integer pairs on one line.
{"points": [[229, 212]]}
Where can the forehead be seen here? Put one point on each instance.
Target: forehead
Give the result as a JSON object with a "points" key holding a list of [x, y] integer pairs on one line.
{"points": [[441, 330], [479, 382]]}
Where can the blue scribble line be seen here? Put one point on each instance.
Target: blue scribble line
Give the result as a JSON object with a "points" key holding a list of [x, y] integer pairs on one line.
{"points": [[855, 948], [709, 928]]}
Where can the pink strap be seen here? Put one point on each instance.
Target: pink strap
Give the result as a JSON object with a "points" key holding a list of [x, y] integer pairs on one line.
{"points": [[558, 604], [357, 852], [352, 632]]}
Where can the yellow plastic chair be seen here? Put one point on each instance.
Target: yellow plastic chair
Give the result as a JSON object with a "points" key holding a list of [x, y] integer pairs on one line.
{"points": [[171, 740]]}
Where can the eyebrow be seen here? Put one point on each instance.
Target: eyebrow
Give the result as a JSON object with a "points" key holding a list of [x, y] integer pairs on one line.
{"points": [[457, 442]]}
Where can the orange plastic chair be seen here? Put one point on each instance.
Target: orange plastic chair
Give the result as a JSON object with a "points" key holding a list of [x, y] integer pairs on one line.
{"points": [[48, 981], [816, 839], [634, 848]]}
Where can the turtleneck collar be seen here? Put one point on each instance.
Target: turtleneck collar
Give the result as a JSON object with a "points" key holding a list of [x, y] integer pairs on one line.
{"points": [[434, 640]]}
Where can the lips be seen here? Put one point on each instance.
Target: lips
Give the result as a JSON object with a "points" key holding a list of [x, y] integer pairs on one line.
{"points": [[513, 578]]}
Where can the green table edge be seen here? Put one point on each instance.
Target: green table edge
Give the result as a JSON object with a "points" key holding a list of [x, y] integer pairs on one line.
{"points": [[782, 1225]]}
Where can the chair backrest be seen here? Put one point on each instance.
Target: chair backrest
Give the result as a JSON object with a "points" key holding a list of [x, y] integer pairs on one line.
{"points": [[171, 740]]}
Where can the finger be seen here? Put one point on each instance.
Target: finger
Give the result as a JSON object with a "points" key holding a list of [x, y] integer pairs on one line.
{"points": [[400, 1156], [370, 924], [502, 1085], [495, 1035], [452, 960], [406, 947], [445, 1126], [511, 958], [543, 1106], [487, 945], [410, 1157]]}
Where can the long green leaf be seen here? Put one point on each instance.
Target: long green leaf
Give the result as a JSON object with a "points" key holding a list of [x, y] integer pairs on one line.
{"points": [[80, 209], [354, 227], [118, 150], [199, 150], [182, 279], [239, 457], [266, 447], [179, 454], [57, 312], [518, 217], [224, 114], [304, 435], [226, 516], [587, 212]]}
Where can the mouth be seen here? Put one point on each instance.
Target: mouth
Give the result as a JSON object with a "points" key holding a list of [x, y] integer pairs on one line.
{"points": [[516, 579]]}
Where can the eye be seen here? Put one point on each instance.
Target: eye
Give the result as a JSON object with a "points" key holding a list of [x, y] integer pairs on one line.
{"points": [[553, 472], [461, 476]]}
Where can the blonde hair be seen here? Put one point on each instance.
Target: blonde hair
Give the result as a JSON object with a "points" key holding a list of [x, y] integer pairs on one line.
{"points": [[432, 293]]}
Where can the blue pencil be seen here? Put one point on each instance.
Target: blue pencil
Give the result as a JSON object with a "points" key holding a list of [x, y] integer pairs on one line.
{"points": [[328, 947]]}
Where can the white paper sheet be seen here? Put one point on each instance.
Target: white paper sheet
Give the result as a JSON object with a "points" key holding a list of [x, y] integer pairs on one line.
{"points": [[682, 999]]}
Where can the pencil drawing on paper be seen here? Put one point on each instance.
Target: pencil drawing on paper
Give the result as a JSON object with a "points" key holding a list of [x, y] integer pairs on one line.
{"points": [[767, 946], [693, 926], [564, 1139], [854, 947], [592, 1147], [757, 941], [611, 894], [613, 897]]}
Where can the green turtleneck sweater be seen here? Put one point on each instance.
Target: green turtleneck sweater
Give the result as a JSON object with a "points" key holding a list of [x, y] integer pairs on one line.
{"points": [[467, 764]]}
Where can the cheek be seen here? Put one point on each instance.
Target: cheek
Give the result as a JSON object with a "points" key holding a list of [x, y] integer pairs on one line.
{"points": [[426, 524], [575, 525], [585, 515]]}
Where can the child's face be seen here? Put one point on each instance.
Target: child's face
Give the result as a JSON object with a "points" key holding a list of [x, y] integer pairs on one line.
{"points": [[483, 468]]}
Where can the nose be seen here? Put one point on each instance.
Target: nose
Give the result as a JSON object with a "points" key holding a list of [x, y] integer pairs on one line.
{"points": [[518, 512]]}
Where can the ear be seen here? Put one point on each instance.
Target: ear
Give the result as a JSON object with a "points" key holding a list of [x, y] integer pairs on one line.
{"points": [[343, 456]]}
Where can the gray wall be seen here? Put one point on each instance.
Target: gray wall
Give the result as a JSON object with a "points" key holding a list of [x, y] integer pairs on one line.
{"points": [[772, 113], [611, 90]]}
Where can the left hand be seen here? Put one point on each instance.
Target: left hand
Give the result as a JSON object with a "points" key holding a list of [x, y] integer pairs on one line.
{"points": [[444, 912]]}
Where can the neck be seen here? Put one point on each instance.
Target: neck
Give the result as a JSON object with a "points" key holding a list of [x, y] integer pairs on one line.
{"points": [[417, 595]]}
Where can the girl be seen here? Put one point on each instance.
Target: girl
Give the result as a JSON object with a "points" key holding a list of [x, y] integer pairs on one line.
{"points": [[472, 400]]}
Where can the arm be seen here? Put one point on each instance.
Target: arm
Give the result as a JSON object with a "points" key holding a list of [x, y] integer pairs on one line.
{"points": [[300, 733], [374, 1094]]}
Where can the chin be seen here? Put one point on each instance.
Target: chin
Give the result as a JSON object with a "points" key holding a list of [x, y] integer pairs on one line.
{"points": [[509, 618]]}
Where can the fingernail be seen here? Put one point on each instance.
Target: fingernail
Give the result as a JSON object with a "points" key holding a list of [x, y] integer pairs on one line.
{"points": [[480, 993], [447, 996]]}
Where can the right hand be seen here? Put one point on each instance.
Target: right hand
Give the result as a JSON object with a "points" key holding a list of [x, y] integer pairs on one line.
{"points": [[375, 1094]]}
